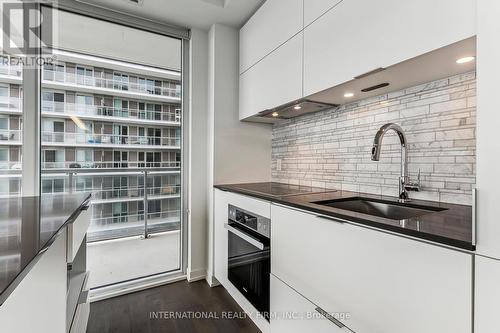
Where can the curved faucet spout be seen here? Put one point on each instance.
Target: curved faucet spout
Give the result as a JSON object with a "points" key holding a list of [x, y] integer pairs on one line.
{"points": [[403, 179], [380, 135]]}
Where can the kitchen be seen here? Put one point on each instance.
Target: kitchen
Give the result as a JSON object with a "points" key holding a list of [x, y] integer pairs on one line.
{"points": [[331, 166]]}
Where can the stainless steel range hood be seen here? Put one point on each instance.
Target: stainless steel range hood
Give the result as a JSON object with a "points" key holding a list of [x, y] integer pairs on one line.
{"points": [[295, 109]]}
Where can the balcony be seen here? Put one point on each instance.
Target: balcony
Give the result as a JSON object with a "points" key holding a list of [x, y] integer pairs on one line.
{"points": [[111, 165], [108, 140], [10, 165], [56, 80], [10, 137], [11, 105], [130, 193], [131, 221], [10, 72], [95, 112]]}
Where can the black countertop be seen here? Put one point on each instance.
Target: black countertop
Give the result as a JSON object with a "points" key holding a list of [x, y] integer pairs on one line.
{"points": [[28, 226], [451, 226]]}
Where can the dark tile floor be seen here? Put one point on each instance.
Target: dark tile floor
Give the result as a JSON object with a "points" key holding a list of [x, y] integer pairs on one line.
{"points": [[132, 313]]}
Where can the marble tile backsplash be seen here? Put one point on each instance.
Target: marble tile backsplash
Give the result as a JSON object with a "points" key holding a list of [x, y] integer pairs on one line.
{"points": [[332, 148]]}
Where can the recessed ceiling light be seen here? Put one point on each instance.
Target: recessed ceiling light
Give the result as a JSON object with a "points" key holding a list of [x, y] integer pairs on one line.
{"points": [[297, 107], [465, 60], [275, 114], [347, 95]]}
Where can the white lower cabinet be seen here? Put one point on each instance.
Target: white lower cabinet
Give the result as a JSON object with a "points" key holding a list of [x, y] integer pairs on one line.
{"points": [[487, 295], [38, 303], [383, 282], [292, 313]]}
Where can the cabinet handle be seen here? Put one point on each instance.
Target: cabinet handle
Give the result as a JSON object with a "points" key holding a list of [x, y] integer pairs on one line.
{"points": [[474, 216], [330, 218], [244, 236], [329, 317]]}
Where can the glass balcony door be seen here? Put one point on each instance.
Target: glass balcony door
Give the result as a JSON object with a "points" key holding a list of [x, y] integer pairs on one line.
{"points": [[110, 140]]}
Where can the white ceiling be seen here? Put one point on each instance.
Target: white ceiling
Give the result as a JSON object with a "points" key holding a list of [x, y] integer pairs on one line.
{"points": [[187, 13]]}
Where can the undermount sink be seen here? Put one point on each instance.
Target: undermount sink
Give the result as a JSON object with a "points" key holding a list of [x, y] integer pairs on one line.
{"points": [[386, 209]]}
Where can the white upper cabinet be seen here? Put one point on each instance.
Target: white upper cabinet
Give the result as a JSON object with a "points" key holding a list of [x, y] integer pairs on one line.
{"points": [[358, 36], [272, 25], [275, 80], [387, 283], [315, 8]]}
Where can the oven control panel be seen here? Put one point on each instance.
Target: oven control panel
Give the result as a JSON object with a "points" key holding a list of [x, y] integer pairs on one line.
{"points": [[260, 224]]}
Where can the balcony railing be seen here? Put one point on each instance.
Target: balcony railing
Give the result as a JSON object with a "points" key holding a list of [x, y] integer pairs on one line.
{"points": [[11, 103], [132, 224], [10, 136], [110, 165], [123, 224], [106, 139], [121, 85], [108, 111], [130, 192], [10, 165], [10, 70]]}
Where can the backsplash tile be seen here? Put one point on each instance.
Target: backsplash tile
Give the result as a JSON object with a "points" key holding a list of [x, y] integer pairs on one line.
{"points": [[332, 148]]}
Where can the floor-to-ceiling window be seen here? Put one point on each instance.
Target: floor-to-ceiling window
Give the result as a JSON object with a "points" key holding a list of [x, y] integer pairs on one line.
{"points": [[111, 124]]}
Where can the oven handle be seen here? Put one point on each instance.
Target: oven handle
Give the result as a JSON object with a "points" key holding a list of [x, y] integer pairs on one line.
{"points": [[244, 236]]}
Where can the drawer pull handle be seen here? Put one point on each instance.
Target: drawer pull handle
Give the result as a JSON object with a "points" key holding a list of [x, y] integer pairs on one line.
{"points": [[330, 218], [330, 317]]}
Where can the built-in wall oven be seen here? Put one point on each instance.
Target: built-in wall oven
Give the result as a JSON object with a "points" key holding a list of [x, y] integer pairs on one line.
{"points": [[249, 256]]}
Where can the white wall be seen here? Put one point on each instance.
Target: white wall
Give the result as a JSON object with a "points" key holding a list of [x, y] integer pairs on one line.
{"points": [[198, 159], [238, 151]]}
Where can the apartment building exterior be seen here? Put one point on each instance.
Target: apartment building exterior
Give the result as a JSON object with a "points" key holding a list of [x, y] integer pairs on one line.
{"points": [[11, 110], [108, 127]]}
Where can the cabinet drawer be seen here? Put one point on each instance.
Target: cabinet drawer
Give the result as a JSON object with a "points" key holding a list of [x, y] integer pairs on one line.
{"points": [[386, 282], [292, 313], [81, 316], [76, 233]]}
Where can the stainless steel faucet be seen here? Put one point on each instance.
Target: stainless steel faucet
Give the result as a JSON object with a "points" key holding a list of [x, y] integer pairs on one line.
{"points": [[404, 181]]}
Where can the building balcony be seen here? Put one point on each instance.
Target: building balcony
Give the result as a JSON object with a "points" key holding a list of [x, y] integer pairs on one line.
{"points": [[10, 165], [95, 112], [57, 80], [10, 73], [11, 137], [130, 193], [65, 139], [11, 105], [74, 165]]}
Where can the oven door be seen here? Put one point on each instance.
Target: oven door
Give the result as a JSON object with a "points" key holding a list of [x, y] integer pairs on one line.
{"points": [[249, 265]]}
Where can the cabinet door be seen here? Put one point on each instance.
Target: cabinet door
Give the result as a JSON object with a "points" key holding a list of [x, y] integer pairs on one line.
{"points": [[358, 36], [274, 81], [487, 296], [292, 313], [272, 25], [387, 283], [315, 8], [38, 303], [220, 235]]}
